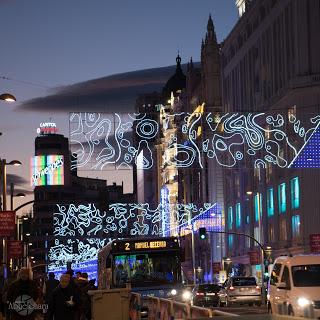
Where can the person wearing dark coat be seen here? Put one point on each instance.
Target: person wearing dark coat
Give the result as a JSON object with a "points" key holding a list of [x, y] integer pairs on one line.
{"points": [[50, 285], [64, 301], [26, 292]]}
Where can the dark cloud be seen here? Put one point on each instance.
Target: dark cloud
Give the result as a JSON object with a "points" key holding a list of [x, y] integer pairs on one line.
{"points": [[109, 94], [16, 180]]}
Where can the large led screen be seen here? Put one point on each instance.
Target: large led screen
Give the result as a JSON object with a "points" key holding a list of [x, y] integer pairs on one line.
{"points": [[47, 170]]}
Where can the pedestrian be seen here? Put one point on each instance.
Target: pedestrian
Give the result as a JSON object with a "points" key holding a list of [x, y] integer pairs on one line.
{"points": [[12, 276], [48, 288], [23, 296], [64, 301], [85, 307]]}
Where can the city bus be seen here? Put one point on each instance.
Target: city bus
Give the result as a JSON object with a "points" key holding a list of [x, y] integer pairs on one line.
{"points": [[152, 266]]}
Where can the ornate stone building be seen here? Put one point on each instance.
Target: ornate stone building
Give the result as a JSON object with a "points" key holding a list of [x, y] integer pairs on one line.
{"points": [[271, 62]]}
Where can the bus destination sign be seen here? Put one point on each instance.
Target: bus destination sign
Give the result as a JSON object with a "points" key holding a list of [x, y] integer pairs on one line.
{"points": [[126, 246]]}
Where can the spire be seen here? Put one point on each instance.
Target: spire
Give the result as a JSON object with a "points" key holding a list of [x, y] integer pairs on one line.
{"points": [[190, 65], [178, 60], [210, 24], [211, 35], [176, 82]]}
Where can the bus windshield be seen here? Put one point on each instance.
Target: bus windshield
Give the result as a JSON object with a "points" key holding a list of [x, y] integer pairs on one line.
{"points": [[146, 269]]}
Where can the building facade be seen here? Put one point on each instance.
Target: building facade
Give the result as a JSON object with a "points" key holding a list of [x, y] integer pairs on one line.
{"points": [[271, 63], [65, 204]]}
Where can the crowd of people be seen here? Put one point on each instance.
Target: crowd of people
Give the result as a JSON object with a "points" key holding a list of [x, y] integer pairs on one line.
{"points": [[29, 299]]}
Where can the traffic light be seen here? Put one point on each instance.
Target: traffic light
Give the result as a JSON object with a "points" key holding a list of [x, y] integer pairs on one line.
{"points": [[202, 233]]}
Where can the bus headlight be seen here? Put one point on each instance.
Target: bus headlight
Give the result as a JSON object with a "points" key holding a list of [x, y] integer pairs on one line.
{"points": [[186, 295], [303, 302], [173, 292]]}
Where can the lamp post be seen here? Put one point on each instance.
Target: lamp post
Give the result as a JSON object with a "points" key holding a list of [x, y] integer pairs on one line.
{"points": [[26, 243], [4, 164]]}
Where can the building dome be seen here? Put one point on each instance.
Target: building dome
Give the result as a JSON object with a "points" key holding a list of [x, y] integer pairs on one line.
{"points": [[176, 82]]}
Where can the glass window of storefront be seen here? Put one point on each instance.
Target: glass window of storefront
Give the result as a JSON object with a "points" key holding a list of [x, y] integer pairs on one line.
{"points": [[258, 206], [230, 240], [282, 198], [270, 202], [283, 229], [230, 218], [238, 215], [295, 226], [295, 193]]}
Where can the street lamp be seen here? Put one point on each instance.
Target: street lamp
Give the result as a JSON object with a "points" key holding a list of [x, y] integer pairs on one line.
{"points": [[8, 97], [3, 166]]}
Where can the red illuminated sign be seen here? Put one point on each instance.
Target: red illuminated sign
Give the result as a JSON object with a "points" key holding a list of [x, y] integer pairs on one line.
{"points": [[315, 243], [7, 223], [255, 257], [15, 249]]}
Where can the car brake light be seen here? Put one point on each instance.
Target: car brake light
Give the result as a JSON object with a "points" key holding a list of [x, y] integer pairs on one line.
{"points": [[200, 294], [257, 288], [231, 288]]}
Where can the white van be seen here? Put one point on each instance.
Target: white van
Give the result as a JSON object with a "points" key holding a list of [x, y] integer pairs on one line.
{"points": [[294, 286]]}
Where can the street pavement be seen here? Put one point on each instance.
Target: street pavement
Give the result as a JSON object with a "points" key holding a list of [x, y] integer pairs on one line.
{"points": [[244, 310]]}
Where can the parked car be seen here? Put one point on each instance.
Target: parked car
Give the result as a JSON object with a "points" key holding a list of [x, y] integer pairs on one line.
{"points": [[243, 290], [206, 295], [294, 286]]}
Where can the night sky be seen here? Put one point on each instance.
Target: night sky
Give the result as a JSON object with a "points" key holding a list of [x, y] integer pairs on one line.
{"points": [[51, 49]]}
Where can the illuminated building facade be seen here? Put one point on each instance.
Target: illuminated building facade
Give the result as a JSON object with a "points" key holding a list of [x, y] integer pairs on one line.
{"points": [[271, 62], [57, 187]]}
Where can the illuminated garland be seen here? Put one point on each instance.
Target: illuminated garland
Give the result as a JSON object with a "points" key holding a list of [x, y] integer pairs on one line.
{"points": [[73, 226], [125, 219], [104, 140]]}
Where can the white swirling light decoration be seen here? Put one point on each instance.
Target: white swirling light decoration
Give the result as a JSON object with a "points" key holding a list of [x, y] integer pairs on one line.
{"points": [[101, 140], [76, 242], [123, 219]]}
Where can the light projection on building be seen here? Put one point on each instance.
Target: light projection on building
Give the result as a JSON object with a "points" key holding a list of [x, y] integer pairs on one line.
{"points": [[109, 141], [47, 170]]}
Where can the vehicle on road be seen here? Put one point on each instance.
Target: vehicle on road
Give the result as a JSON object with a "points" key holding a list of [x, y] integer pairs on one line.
{"points": [[240, 290], [294, 286], [206, 295], [151, 266]]}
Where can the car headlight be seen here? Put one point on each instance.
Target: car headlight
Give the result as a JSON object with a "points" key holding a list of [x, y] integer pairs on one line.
{"points": [[186, 295], [303, 302], [173, 292]]}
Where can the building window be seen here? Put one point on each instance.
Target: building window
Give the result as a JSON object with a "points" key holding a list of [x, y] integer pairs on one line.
{"points": [[295, 226], [257, 235], [238, 215], [258, 206], [282, 198], [230, 218], [295, 193], [270, 202], [283, 229], [248, 220], [248, 240], [230, 240], [271, 233], [237, 185]]}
